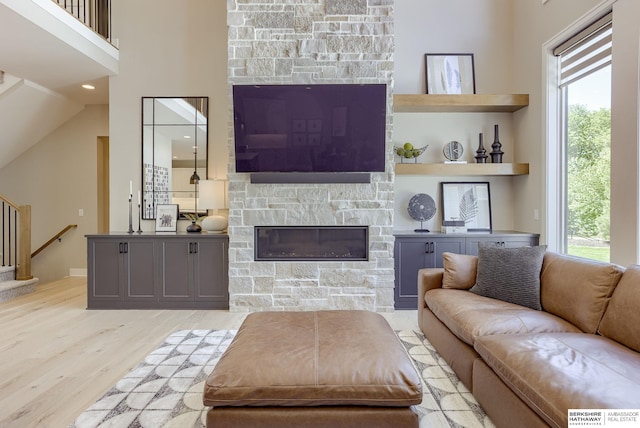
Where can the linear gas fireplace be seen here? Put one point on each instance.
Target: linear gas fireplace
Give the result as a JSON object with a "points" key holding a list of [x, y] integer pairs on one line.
{"points": [[312, 243]]}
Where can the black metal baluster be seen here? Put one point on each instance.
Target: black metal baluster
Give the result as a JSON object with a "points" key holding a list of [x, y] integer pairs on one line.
{"points": [[9, 246], [3, 233], [15, 243]]}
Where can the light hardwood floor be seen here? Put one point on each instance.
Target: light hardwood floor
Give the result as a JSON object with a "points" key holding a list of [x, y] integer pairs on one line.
{"points": [[57, 358]]}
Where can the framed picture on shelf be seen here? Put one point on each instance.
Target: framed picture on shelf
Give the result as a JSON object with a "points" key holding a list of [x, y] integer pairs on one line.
{"points": [[469, 202], [166, 217], [450, 73]]}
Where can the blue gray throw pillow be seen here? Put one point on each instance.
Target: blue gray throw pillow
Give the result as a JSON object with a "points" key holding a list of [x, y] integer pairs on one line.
{"points": [[510, 274]]}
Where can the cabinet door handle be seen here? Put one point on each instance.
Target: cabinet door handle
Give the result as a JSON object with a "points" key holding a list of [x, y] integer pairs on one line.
{"points": [[193, 248], [431, 247], [125, 247], [428, 247]]}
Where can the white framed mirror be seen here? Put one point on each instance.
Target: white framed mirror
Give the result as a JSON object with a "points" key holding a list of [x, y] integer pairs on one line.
{"points": [[174, 146]]}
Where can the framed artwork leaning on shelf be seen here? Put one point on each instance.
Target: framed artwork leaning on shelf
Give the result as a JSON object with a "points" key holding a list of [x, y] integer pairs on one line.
{"points": [[166, 217], [469, 202], [450, 73]]}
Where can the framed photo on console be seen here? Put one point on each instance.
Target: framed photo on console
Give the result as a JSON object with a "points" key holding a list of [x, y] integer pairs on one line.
{"points": [[166, 217], [450, 73], [469, 202]]}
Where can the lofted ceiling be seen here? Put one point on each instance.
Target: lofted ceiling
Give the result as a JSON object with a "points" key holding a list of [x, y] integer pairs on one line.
{"points": [[46, 55]]}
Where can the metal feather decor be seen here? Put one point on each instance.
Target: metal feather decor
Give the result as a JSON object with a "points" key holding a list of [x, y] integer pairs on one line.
{"points": [[468, 206]]}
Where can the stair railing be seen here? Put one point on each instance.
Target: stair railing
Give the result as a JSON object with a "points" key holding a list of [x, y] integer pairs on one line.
{"points": [[16, 238], [57, 236], [95, 14]]}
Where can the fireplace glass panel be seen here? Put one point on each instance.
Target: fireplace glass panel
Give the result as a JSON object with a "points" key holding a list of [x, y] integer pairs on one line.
{"points": [[312, 243]]}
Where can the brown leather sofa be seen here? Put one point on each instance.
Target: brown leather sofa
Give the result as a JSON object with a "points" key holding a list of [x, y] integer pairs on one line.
{"points": [[527, 367]]}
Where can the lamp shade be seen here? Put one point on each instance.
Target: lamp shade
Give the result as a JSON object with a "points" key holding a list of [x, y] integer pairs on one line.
{"points": [[212, 197], [211, 194]]}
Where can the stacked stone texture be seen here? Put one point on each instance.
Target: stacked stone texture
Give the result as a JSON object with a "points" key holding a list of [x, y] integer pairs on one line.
{"points": [[311, 42]]}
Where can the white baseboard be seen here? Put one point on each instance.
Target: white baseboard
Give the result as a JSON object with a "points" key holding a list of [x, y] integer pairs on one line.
{"points": [[77, 271]]}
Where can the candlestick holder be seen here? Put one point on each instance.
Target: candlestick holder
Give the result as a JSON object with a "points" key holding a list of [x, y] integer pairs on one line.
{"points": [[139, 219], [481, 156], [130, 216], [496, 153]]}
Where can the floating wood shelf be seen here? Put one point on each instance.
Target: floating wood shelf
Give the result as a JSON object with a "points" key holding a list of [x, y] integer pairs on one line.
{"points": [[459, 103], [462, 169]]}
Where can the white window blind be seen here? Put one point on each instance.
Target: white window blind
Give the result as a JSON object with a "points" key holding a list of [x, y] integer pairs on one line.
{"points": [[586, 52]]}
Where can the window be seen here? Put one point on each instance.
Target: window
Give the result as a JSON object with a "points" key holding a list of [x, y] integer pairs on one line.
{"points": [[584, 149]]}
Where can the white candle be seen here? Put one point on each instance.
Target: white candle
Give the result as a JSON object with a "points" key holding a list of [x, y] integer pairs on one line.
{"points": [[138, 197], [130, 189]]}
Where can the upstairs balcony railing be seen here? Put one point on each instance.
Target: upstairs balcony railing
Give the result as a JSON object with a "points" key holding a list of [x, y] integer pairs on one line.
{"points": [[95, 14]]}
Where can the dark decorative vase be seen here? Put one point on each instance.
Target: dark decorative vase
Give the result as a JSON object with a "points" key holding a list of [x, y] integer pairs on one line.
{"points": [[496, 153], [481, 156]]}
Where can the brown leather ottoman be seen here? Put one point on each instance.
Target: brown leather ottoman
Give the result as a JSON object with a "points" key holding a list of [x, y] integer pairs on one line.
{"points": [[313, 369]]}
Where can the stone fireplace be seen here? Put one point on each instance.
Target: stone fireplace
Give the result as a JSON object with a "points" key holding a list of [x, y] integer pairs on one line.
{"points": [[311, 42]]}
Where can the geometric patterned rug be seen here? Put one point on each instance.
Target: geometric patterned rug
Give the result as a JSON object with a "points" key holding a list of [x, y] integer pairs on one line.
{"points": [[165, 390]]}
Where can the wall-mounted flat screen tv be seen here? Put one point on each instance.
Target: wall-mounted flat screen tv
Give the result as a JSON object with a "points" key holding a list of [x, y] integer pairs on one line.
{"points": [[310, 128]]}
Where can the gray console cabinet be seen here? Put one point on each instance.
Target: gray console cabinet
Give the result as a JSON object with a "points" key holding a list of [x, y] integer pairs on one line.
{"points": [[188, 273], [506, 241], [414, 251], [145, 271], [412, 254]]}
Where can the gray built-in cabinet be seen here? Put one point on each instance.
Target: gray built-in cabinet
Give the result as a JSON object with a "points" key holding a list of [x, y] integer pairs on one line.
{"points": [[157, 271], [414, 251]]}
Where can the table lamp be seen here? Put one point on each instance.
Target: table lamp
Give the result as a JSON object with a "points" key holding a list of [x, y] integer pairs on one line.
{"points": [[212, 197]]}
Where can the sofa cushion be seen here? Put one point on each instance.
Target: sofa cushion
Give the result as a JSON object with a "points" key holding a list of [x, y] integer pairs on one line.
{"points": [[577, 289], [621, 320], [459, 270], [554, 372], [470, 316], [510, 274]]}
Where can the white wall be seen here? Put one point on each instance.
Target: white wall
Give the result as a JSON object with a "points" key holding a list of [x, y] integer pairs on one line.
{"points": [[166, 49], [58, 177], [437, 26], [436, 129], [481, 27], [625, 138], [536, 24], [531, 125], [507, 39]]}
